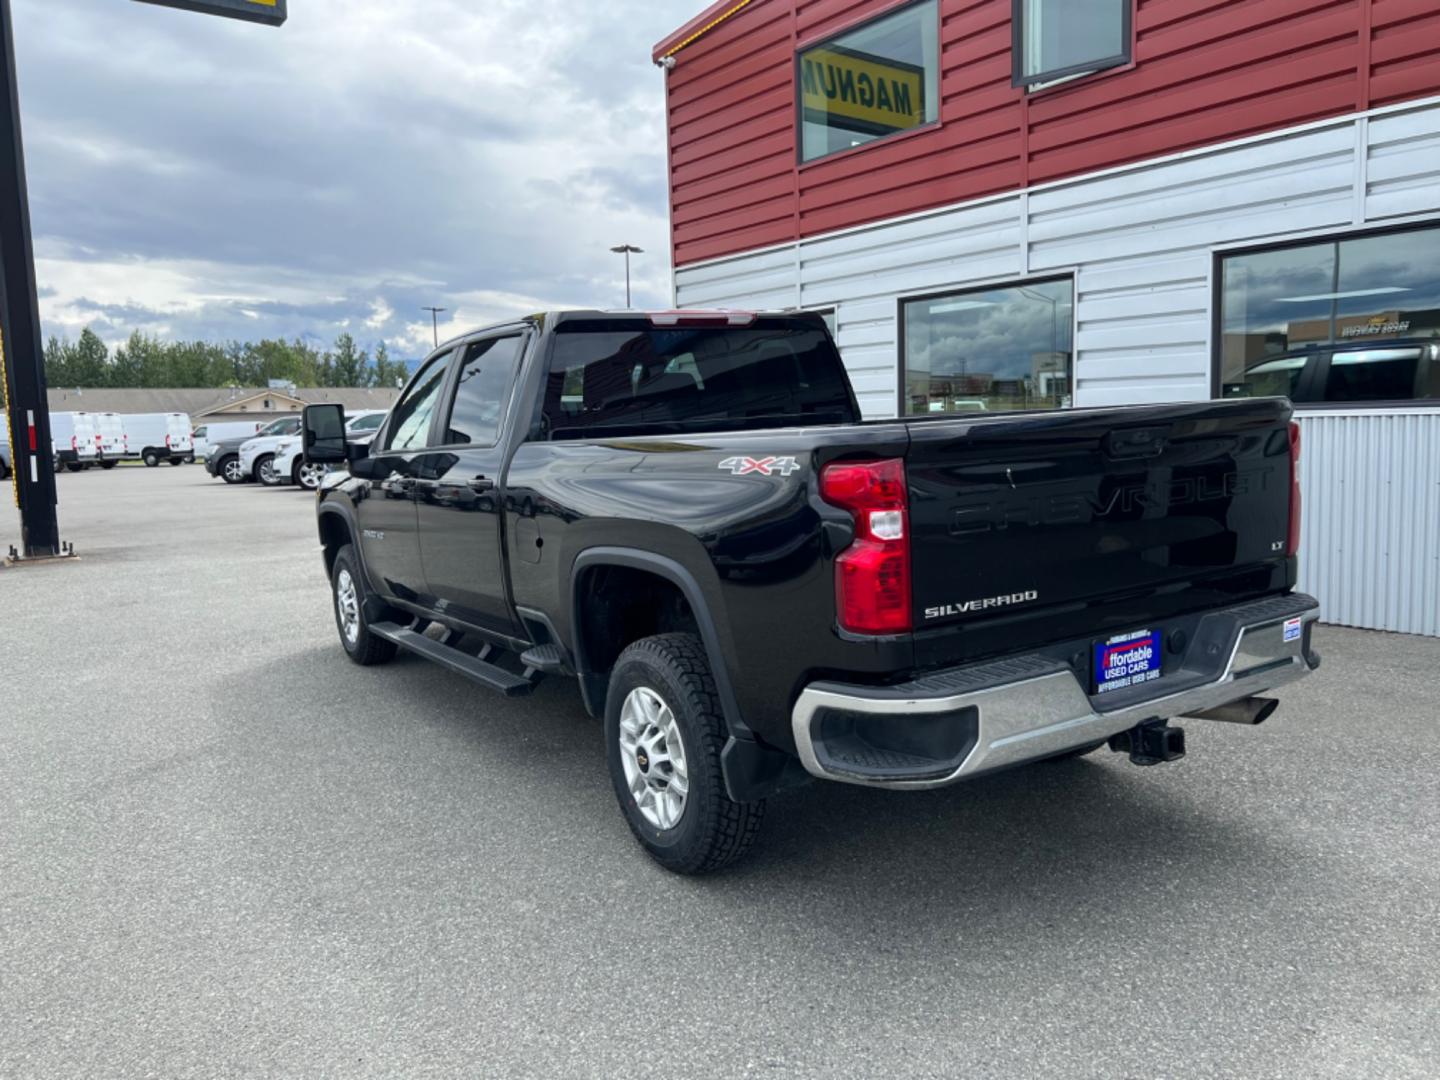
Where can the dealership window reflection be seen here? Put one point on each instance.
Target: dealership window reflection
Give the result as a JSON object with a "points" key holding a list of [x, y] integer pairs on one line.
{"points": [[1347, 320], [880, 79], [990, 350]]}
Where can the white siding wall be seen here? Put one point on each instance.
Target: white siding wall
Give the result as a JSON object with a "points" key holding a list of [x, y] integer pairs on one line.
{"points": [[1140, 242]]}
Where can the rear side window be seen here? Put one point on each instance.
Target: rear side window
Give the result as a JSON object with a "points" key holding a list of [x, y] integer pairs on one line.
{"points": [[482, 391], [1378, 374], [609, 377], [368, 423]]}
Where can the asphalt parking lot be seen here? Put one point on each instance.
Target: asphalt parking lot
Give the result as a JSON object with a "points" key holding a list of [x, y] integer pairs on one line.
{"points": [[226, 851]]}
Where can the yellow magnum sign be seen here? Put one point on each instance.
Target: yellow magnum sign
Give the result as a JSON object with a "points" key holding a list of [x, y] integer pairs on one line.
{"points": [[844, 88]]}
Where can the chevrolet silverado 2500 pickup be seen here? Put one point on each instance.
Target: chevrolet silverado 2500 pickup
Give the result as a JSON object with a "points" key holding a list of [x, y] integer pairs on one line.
{"points": [[753, 586]]}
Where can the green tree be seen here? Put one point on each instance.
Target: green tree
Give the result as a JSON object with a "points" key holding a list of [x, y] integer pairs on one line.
{"points": [[389, 373], [350, 366], [89, 362]]}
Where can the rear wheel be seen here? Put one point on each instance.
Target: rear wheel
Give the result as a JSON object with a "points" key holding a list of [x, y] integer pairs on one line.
{"points": [[177, 461], [307, 476], [108, 464], [348, 590], [664, 732], [74, 466], [151, 458], [230, 469]]}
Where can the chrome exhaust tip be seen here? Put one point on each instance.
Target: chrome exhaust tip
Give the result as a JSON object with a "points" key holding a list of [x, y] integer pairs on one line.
{"points": [[1250, 710]]}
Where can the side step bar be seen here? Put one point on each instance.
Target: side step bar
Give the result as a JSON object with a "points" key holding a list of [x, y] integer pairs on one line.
{"points": [[472, 667]]}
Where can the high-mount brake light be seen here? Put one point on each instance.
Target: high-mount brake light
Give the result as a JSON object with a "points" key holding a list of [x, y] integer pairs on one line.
{"points": [[872, 575], [702, 318], [1292, 541]]}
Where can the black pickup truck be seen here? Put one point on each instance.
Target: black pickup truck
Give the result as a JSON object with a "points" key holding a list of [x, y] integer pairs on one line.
{"points": [[753, 586]]}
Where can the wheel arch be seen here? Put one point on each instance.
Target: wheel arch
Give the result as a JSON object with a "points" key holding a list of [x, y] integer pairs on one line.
{"points": [[595, 653]]}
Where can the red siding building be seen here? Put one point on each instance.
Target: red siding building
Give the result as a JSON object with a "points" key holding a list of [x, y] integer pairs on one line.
{"points": [[1022, 204], [1201, 72]]}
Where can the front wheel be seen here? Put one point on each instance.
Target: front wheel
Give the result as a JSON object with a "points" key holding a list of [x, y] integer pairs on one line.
{"points": [[307, 476], [265, 470], [231, 471], [348, 591], [664, 732]]}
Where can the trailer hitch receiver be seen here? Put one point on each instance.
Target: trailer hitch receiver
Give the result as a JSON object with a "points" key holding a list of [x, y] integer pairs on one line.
{"points": [[1150, 743]]}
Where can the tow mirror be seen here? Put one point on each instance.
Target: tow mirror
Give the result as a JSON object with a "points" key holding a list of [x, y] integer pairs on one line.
{"points": [[323, 434]]}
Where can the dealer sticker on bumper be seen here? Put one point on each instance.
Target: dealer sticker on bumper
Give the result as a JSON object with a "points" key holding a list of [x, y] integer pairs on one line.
{"points": [[1127, 660], [1293, 628]]}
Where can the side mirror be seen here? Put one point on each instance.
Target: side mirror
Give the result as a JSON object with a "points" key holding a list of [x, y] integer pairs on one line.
{"points": [[322, 434]]}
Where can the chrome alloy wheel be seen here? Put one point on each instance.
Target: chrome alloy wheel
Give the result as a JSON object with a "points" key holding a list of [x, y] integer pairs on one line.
{"points": [[310, 476], [347, 604], [653, 756], [234, 471], [267, 474]]}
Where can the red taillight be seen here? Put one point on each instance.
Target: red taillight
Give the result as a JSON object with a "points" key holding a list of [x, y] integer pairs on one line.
{"points": [[74, 443], [872, 575], [1292, 542]]}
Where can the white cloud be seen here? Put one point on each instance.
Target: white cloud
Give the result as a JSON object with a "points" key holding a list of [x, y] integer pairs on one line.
{"points": [[226, 180]]}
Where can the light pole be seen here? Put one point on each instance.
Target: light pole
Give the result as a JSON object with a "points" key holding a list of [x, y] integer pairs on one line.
{"points": [[434, 323], [627, 250]]}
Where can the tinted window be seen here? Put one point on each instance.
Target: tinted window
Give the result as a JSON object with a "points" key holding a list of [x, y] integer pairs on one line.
{"points": [[411, 419], [483, 390], [1055, 38], [877, 80], [367, 423], [612, 377], [990, 349], [1378, 374]]}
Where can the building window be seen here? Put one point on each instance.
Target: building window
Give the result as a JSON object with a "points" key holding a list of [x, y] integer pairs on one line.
{"points": [[989, 350], [1055, 39], [1349, 320], [880, 79]]}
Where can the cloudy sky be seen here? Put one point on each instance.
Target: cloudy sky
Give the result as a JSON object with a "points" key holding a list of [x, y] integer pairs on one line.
{"points": [[195, 177]]}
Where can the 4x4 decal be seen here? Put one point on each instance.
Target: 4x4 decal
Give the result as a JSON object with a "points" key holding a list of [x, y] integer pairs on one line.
{"points": [[743, 466]]}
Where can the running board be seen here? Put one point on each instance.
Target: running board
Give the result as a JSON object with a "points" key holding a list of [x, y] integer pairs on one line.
{"points": [[472, 667]]}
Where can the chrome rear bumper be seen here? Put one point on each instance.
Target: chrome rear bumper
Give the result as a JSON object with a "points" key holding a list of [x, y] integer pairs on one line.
{"points": [[952, 725]]}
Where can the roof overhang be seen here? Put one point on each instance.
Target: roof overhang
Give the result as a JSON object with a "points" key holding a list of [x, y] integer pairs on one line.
{"points": [[697, 27]]}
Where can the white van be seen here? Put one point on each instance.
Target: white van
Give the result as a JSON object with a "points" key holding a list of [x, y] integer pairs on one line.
{"points": [[207, 435], [72, 436], [157, 437], [109, 439]]}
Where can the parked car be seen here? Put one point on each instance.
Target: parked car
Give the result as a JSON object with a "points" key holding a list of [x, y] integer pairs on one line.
{"points": [[754, 587], [73, 438], [289, 464], [109, 439], [1396, 370], [223, 459], [206, 435], [156, 437]]}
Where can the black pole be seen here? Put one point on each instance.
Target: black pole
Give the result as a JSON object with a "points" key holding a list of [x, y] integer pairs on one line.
{"points": [[23, 358]]}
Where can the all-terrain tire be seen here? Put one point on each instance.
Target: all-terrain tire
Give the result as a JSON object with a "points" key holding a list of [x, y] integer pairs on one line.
{"points": [[713, 830], [360, 644]]}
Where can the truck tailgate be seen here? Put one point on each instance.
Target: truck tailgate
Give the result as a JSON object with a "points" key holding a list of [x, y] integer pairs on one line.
{"points": [[1039, 527]]}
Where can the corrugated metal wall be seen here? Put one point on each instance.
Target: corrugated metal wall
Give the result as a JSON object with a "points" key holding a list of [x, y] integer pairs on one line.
{"points": [[1370, 527]]}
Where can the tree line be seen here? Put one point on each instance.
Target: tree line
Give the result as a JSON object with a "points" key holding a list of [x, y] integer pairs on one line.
{"points": [[149, 362]]}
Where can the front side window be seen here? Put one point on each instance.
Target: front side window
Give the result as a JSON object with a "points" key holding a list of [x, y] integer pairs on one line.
{"points": [[1058, 38], [411, 427], [990, 349], [367, 423], [1350, 320], [483, 390], [880, 79]]}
